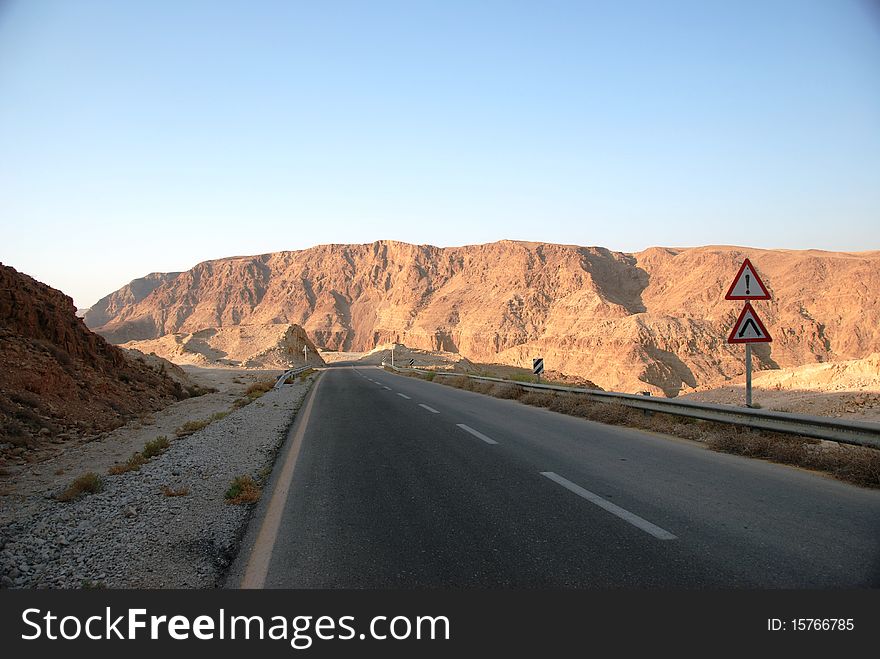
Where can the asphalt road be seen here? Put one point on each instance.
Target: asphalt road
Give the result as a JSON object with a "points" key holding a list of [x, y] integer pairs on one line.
{"points": [[402, 483]]}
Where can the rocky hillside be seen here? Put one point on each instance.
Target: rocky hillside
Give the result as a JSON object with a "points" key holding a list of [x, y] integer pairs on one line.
{"points": [[248, 346], [60, 380], [651, 320]]}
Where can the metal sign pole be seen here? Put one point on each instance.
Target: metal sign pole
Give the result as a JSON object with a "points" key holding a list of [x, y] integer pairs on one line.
{"points": [[748, 374]]}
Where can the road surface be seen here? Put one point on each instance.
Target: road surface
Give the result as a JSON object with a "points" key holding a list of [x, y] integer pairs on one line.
{"points": [[402, 483]]}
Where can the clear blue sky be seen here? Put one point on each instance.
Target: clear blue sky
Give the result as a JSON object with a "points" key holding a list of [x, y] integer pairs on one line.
{"points": [[149, 135]]}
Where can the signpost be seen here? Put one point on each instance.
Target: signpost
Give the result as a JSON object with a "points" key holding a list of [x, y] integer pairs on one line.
{"points": [[306, 353], [412, 362], [538, 367], [748, 328]]}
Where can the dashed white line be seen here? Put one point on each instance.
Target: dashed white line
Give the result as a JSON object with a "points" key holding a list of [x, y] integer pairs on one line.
{"points": [[404, 396], [476, 433], [622, 513], [430, 409], [384, 387]]}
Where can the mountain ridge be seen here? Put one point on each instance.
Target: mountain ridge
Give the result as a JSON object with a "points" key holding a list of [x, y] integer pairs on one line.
{"points": [[653, 319]]}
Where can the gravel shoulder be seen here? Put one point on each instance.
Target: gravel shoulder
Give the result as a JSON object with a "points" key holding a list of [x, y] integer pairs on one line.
{"points": [[131, 534]]}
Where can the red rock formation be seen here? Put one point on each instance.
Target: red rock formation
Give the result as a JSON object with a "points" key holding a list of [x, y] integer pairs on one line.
{"points": [[652, 320], [57, 376]]}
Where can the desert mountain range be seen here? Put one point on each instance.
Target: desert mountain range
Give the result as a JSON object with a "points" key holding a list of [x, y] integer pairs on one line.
{"points": [[655, 319]]}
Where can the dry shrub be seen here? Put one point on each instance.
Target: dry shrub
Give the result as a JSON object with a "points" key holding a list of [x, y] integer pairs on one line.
{"points": [[257, 389], [156, 447], [536, 399], [243, 490], [190, 427], [89, 483], [134, 463], [507, 391], [172, 492], [855, 464]]}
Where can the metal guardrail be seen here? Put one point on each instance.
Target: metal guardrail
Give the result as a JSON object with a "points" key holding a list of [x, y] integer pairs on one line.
{"points": [[860, 433], [293, 371]]}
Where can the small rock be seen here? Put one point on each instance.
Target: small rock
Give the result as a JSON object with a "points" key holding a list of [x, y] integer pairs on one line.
{"points": [[130, 512]]}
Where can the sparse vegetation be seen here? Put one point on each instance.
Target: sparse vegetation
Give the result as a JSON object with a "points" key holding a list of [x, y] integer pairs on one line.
{"points": [[137, 460], [243, 490], [239, 403], [190, 427], [265, 472], [855, 464], [156, 447], [258, 389], [89, 483], [169, 491], [302, 376]]}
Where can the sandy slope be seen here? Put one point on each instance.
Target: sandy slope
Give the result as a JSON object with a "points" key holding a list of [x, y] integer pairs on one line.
{"points": [[849, 389], [249, 346]]}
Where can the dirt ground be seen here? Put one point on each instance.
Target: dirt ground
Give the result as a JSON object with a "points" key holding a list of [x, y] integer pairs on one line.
{"points": [[21, 483]]}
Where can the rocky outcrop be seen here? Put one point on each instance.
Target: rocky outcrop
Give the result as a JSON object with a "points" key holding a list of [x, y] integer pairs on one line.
{"points": [[651, 320], [58, 378], [248, 346]]}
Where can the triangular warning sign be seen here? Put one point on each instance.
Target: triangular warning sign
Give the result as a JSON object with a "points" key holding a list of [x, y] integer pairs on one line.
{"points": [[749, 328], [747, 285]]}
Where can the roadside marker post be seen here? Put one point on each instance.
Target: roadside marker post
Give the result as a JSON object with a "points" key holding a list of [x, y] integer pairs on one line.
{"points": [[538, 367], [748, 328]]}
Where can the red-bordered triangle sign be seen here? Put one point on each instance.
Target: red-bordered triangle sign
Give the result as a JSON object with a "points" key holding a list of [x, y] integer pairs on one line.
{"points": [[749, 328], [747, 285]]}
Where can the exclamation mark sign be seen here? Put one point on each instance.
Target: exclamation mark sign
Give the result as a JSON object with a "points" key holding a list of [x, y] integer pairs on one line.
{"points": [[748, 292]]}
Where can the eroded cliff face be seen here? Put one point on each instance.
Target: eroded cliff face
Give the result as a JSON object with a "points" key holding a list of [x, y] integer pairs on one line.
{"points": [[652, 320]]}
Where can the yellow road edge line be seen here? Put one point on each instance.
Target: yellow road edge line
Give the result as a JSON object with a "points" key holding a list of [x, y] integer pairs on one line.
{"points": [[258, 563]]}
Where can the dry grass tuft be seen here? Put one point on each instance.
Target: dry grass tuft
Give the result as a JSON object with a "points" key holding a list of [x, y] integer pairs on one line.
{"points": [[134, 463], [89, 483], [156, 447], [151, 449], [243, 490], [172, 492], [258, 389], [191, 427]]}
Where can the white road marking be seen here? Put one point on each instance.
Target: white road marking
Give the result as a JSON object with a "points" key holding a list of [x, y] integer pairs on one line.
{"points": [[430, 409], [388, 388], [404, 396], [476, 433], [625, 515]]}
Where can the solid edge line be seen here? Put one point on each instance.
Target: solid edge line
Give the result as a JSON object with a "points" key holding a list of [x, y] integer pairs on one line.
{"points": [[430, 409], [261, 554], [622, 513], [476, 433]]}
